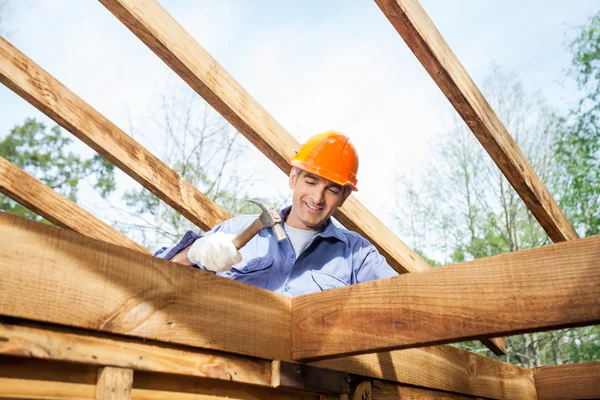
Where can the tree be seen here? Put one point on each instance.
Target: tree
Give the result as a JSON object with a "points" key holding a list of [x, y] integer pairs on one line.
{"points": [[577, 148], [206, 151], [466, 209], [44, 154]]}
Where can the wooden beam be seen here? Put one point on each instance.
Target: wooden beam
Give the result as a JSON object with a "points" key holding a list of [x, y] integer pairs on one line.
{"points": [[422, 37], [114, 383], [42, 200], [86, 283], [444, 368], [32, 83], [152, 386], [568, 381], [36, 379], [394, 391], [555, 286], [43, 341], [178, 49]]}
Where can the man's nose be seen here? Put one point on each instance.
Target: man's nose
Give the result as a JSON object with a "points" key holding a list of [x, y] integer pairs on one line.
{"points": [[318, 194]]}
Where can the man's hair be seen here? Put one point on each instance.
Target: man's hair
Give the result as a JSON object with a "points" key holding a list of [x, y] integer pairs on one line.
{"points": [[298, 172]]}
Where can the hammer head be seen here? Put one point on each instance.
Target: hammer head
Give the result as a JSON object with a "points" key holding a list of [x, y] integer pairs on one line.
{"points": [[269, 217]]}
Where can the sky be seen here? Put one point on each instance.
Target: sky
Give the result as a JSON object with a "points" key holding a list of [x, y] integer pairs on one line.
{"points": [[313, 65]]}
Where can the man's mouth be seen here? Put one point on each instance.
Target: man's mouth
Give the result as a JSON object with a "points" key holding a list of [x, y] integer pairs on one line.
{"points": [[314, 208]]}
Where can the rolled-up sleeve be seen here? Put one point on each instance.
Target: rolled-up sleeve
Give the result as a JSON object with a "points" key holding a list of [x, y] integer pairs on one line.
{"points": [[188, 239]]}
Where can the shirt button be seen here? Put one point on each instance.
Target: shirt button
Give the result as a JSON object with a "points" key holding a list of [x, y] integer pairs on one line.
{"points": [[292, 255], [287, 289], [246, 268]]}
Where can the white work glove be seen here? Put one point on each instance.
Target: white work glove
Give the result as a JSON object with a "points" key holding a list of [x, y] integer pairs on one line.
{"points": [[215, 252]]}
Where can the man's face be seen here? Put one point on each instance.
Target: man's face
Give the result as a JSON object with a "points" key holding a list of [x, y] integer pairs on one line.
{"points": [[314, 200]]}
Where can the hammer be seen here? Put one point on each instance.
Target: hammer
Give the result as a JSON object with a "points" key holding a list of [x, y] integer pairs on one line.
{"points": [[269, 218]]}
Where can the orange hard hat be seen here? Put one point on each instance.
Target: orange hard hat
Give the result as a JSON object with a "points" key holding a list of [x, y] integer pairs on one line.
{"points": [[329, 155]]}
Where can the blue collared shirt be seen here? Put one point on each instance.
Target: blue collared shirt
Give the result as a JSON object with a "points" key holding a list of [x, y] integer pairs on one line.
{"points": [[335, 258]]}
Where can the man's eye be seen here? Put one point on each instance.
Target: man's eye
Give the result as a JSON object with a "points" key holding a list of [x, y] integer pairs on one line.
{"points": [[310, 182], [334, 191]]}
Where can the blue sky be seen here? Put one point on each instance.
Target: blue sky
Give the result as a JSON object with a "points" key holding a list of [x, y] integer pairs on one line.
{"points": [[313, 65]]}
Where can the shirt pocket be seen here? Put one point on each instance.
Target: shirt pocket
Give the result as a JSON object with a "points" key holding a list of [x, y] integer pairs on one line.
{"points": [[326, 281], [254, 272]]}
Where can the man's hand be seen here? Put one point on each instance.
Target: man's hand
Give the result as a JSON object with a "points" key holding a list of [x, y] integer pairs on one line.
{"points": [[215, 252]]}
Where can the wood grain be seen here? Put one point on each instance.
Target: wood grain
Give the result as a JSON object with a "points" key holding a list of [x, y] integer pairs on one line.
{"points": [[568, 381], [114, 383], [180, 51], [551, 287], [42, 200], [86, 283], [32, 83], [43, 341], [443, 368], [394, 391], [422, 37]]}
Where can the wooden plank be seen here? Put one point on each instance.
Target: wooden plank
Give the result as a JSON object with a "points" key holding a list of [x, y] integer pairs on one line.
{"points": [[114, 383], [32, 379], [42, 200], [393, 391], [178, 49], [362, 391], [32, 83], [443, 368], [568, 381], [551, 287], [43, 341], [86, 283], [422, 37], [496, 345], [152, 386]]}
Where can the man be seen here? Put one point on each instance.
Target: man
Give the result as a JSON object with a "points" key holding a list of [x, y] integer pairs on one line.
{"points": [[317, 255]]}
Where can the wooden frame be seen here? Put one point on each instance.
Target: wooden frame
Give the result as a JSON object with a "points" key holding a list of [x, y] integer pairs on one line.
{"points": [[250, 333]]}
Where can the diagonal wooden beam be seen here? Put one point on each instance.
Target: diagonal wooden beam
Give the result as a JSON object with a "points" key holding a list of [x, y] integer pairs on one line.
{"points": [[555, 286], [28, 80], [178, 49], [86, 283], [422, 37], [568, 381], [42, 200], [445, 368]]}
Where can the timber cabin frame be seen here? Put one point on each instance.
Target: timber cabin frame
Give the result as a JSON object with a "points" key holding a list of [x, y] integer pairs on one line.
{"points": [[145, 334]]}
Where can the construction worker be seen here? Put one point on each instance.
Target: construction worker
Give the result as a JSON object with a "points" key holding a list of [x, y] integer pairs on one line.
{"points": [[317, 255]]}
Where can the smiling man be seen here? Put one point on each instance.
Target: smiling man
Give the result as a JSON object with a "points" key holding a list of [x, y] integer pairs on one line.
{"points": [[317, 255]]}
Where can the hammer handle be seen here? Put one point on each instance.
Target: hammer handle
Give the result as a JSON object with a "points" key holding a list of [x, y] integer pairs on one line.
{"points": [[244, 237]]}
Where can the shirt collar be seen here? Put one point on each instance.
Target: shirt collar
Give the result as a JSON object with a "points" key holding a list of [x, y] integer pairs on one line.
{"points": [[330, 230]]}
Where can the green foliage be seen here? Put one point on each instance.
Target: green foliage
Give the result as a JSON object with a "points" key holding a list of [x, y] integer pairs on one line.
{"points": [[44, 154], [577, 148]]}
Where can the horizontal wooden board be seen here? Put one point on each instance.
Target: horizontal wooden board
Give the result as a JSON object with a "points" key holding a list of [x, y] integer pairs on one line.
{"points": [[422, 37], [178, 49], [568, 381], [444, 368], [550, 287], [44, 341], [56, 276], [44, 92], [42, 200], [394, 391]]}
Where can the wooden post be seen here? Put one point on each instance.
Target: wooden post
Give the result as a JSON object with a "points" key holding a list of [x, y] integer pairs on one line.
{"points": [[114, 383]]}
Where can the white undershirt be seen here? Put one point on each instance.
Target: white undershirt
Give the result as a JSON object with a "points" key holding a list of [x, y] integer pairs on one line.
{"points": [[300, 238]]}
